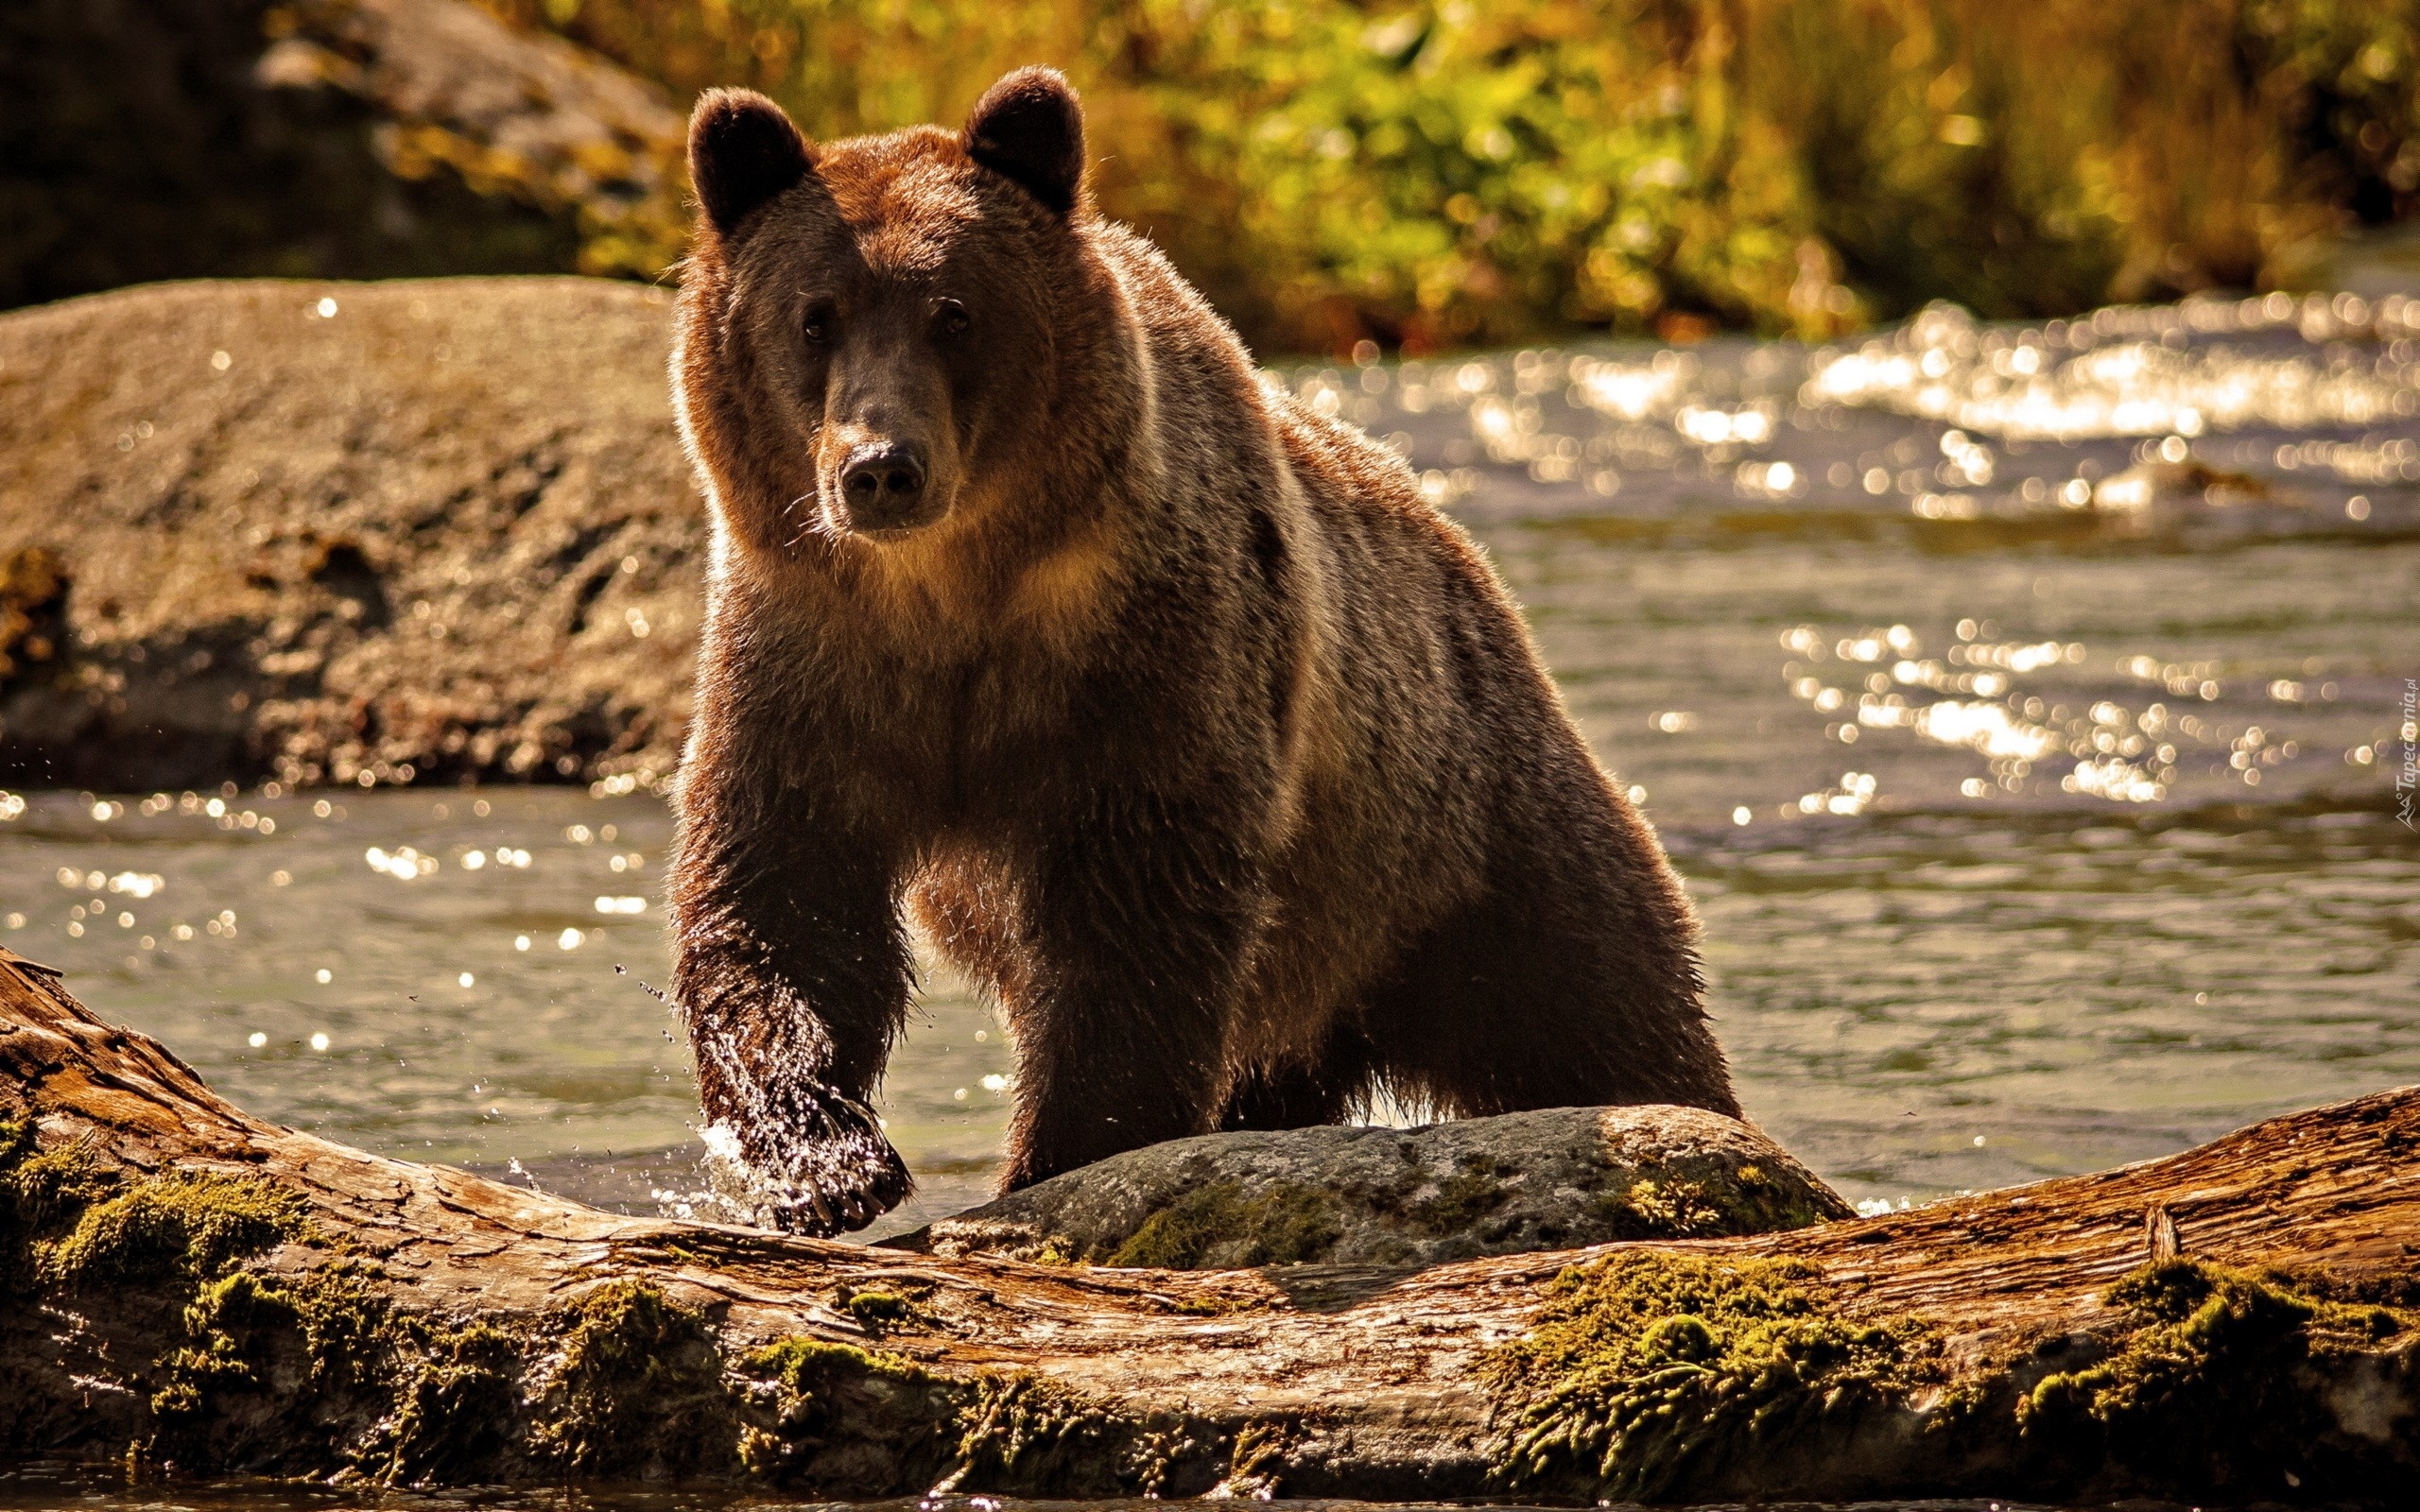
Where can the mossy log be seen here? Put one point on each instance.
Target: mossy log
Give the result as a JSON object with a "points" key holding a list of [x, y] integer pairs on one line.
{"points": [[192, 1290]]}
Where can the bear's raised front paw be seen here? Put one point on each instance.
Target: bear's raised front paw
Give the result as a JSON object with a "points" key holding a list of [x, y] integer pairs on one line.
{"points": [[822, 1168], [842, 1206]]}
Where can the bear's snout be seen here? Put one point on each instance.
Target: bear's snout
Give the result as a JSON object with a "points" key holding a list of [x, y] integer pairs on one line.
{"points": [[882, 485]]}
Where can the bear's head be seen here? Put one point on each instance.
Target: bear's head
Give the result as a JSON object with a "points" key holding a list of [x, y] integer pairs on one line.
{"points": [[876, 330]]}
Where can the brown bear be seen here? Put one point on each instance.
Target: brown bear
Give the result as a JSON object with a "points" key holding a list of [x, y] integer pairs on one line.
{"points": [[1178, 718]]}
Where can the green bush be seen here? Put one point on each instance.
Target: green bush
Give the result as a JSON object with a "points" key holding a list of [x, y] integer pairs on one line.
{"points": [[1433, 175]]}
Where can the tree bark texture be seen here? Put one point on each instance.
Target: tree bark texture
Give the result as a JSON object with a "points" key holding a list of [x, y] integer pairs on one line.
{"points": [[189, 1288]]}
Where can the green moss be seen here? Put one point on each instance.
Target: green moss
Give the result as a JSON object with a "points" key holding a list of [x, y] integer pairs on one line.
{"points": [[1211, 1305], [16, 1141], [41, 1191], [863, 1424], [1176, 1236], [193, 1376], [1643, 1366], [877, 1310], [454, 1409], [1462, 1199], [242, 1323], [1672, 1207], [272, 1361], [2211, 1390], [847, 1421], [1028, 1435], [1286, 1225], [185, 1224], [803, 1365], [46, 1187], [636, 1385]]}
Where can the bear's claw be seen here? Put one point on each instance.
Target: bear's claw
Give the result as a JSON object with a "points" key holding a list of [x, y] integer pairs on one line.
{"points": [[821, 1164], [838, 1205]]}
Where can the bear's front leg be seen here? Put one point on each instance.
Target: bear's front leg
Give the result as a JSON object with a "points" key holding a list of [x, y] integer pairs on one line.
{"points": [[793, 974], [1139, 919]]}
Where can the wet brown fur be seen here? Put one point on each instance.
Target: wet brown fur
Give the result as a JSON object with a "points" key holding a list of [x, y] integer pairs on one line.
{"points": [[1186, 727]]}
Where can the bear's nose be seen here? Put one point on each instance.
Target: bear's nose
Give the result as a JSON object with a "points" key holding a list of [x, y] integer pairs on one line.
{"points": [[884, 481]]}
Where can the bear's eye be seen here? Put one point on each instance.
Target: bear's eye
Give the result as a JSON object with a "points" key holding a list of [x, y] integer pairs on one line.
{"points": [[952, 318], [817, 326]]}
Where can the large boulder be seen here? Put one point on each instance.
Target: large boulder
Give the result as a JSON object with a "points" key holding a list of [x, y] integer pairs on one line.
{"points": [[352, 533], [1554, 1179], [319, 138]]}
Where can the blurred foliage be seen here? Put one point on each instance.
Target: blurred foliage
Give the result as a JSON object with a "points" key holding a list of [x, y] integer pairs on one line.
{"points": [[138, 141], [459, 97], [1424, 176], [1439, 174]]}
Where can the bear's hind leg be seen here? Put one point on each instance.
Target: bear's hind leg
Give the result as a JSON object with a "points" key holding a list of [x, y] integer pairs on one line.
{"points": [[1553, 994], [1301, 1095]]}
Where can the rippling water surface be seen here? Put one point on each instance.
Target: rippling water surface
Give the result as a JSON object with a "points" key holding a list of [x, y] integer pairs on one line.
{"points": [[2026, 708]]}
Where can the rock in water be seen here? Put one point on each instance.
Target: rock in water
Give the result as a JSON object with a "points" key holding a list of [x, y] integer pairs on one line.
{"points": [[321, 138], [2157, 496], [1552, 1179], [344, 532]]}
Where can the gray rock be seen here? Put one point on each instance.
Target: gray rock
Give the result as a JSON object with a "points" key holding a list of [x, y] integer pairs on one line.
{"points": [[1552, 1179]]}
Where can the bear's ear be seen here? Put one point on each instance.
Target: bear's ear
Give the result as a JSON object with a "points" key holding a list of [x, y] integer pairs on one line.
{"points": [[1029, 128], [742, 153]]}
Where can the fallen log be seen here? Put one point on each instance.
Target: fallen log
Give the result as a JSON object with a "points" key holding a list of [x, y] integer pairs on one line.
{"points": [[191, 1289]]}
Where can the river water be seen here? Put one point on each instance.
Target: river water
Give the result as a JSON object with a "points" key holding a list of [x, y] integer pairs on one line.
{"points": [[2024, 707]]}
